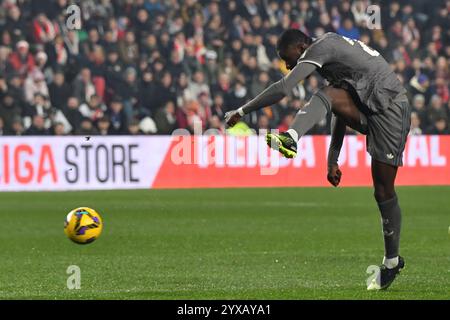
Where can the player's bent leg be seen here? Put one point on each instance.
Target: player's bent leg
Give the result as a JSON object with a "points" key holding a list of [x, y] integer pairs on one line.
{"points": [[323, 101], [314, 111], [344, 107], [383, 176]]}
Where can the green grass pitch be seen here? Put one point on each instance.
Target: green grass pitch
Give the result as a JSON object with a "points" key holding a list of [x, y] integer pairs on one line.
{"points": [[293, 243]]}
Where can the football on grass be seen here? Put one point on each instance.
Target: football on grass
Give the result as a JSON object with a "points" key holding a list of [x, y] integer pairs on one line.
{"points": [[83, 225]]}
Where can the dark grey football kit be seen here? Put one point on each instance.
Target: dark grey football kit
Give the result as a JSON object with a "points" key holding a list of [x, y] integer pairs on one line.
{"points": [[384, 117]]}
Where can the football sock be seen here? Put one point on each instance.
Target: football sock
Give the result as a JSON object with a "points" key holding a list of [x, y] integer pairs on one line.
{"points": [[293, 134], [391, 222], [315, 110], [390, 263]]}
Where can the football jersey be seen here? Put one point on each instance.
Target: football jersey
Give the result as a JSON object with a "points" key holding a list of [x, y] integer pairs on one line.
{"points": [[341, 59]]}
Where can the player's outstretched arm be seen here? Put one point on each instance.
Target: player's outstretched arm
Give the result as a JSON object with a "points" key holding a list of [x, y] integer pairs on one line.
{"points": [[272, 94], [338, 127]]}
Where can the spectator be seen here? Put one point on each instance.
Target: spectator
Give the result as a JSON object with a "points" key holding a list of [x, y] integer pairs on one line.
{"points": [[58, 55], [83, 86], [35, 84], [117, 117], [37, 127], [41, 59], [228, 69], [9, 110], [72, 112], [128, 49], [113, 71], [359, 11], [223, 87], [263, 122], [44, 30], [59, 90], [94, 109], [384, 48], [175, 65], [40, 106], [15, 89], [392, 14], [238, 95], [72, 43], [181, 88], [436, 110], [415, 124], [215, 126], [189, 116], [165, 118], [218, 107], [211, 67], [418, 106], [17, 128], [439, 127], [441, 89], [147, 92], [103, 126], [86, 128], [22, 61], [58, 129], [133, 128], [142, 23], [197, 85], [164, 91], [92, 41], [349, 30], [259, 83], [15, 24], [312, 85], [129, 93], [419, 85]]}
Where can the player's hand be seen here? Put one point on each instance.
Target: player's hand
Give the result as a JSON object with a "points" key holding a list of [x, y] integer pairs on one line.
{"points": [[232, 117], [334, 175]]}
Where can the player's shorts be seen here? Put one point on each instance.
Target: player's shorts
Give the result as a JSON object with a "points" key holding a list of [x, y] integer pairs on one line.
{"points": [[386, 132]]}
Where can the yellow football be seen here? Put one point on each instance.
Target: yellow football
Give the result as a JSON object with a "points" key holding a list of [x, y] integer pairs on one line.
{"points": [[83, 225]]}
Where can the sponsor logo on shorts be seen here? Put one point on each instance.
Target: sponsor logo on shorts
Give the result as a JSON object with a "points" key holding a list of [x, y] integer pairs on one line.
{"points": [[390, 156]]}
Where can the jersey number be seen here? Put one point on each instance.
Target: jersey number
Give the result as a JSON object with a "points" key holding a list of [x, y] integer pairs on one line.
{"points": [[369, 50]]}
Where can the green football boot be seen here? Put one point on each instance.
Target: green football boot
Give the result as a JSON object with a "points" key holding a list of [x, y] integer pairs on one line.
{"points": [[282, 142]]}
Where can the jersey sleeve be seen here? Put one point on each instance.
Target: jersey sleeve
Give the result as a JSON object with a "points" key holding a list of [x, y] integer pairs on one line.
{"points": [[319, 52], [278, 90]]}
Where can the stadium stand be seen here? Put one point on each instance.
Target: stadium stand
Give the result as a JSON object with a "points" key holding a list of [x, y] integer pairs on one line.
{"points": [[151, 66]]}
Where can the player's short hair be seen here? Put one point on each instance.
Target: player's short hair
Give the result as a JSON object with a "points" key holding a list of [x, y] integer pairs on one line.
{"points": [[292, 37]]}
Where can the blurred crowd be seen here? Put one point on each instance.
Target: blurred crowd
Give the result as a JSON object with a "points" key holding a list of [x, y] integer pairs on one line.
{"points": [[151, 66]]}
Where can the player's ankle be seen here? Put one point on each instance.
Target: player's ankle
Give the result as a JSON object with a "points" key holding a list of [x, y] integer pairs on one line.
{"points": [[293, 134], [390, 263]]}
